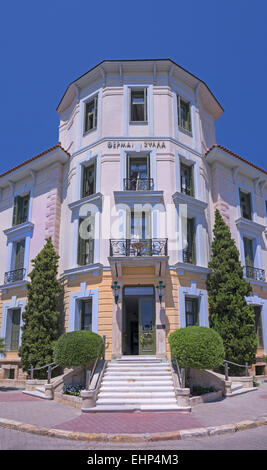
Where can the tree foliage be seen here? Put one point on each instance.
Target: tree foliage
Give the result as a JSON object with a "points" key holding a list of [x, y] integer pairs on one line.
{"points": [[40, 327], [2, 346], [229, 314]]}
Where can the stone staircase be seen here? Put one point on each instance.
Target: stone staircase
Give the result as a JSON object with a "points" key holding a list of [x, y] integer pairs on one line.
{"points": [[137, 383], [237, 388], [38, 391]]}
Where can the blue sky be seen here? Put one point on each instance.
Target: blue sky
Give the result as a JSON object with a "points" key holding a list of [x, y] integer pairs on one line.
{"points": [[46, 45]]}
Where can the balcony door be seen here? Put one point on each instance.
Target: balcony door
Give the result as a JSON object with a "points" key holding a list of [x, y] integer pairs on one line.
{"points": [[139, 233], [248, 250], [138, 173]]}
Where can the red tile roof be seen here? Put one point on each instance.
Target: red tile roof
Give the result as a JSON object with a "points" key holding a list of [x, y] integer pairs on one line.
{"points": [[234, 155], [35, 158]]}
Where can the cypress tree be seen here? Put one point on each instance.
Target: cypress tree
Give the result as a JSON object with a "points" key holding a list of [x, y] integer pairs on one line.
{"points": [[2, 346], [41, 316], [229, 314]]}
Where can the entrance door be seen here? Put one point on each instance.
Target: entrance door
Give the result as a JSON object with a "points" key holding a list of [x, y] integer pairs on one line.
{"points": [[139, 332], [147, 337]]}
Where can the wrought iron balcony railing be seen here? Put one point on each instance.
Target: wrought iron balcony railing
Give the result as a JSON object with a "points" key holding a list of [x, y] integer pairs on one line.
{"points": [[187, 190], [142, 247], [254, 273], [138, 184], [15, 276], [189, 256]]}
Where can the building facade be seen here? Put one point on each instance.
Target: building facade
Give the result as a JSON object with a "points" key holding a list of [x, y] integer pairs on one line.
{"points": [[128, 197]]}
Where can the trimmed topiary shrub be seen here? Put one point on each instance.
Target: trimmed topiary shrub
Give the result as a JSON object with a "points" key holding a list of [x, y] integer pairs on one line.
{"points": [[197, 347], [78, 349]]}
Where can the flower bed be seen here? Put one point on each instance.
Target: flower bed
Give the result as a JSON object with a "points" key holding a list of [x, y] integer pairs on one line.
{"points": [[74, 390]]}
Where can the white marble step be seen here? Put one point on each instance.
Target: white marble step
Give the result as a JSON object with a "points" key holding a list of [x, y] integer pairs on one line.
{"points": [[125, 408], [135, 394], [35, 393], [138, 370], [136, 401], [153, 381], [242, 390], [135, 388], [147, 364], [132, 374], [236, 386]]}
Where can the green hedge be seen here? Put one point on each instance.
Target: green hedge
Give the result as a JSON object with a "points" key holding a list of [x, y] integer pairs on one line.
{"points": [[197, 347], [78, 348]]}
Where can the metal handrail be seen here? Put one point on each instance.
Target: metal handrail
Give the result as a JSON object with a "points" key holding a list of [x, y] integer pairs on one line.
{"points": [[49, 370], [92, 372], [225, 365], [180, 373]]}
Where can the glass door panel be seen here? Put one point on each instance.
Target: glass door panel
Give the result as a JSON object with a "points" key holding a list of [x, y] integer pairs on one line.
{"points": [[147, 336]]}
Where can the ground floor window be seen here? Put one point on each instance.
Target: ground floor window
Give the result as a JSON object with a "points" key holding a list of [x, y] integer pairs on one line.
{"points": [[86, 314], [258, 325], [191, 311], [13, 340]]}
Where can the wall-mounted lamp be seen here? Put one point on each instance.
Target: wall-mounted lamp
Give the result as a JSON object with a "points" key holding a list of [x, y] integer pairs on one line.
{"points": [[116, 289], [160, 288]]}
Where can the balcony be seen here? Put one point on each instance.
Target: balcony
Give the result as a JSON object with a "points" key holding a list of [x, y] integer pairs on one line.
{"points": [[15, 276], [189, 256], [138, 184], [139, 248], [254, 273]]}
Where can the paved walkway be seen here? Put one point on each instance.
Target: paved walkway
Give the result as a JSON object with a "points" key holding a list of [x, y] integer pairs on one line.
{"points": [[15, 405]]}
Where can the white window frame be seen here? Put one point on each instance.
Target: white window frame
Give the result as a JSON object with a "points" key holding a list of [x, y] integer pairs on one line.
{"points": [[188, 161], [87, 161], [202, 296], [15, 234], [14, 303], [256, 300], [83, 102], [138, 88], [127, 123], [74, 313], [94, 99], [180, 97]]}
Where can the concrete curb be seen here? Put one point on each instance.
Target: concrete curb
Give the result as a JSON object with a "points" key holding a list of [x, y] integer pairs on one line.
{"points": [[130, 438]]}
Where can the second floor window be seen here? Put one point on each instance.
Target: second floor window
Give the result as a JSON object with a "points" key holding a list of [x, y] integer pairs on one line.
{"points": [[21, 209], [89, 180], [184, 114], [90, 114], [186, 173], [189, 251], [86, 243], [245, 205], [139, 105]]}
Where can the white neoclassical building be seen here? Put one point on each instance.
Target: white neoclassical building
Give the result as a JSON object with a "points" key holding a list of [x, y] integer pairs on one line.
{"points": [[128, 197]]}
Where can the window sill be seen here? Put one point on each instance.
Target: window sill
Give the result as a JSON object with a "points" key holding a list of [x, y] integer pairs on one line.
{"points": [[138, 123], [95, 199], [17, 231], [185, 131], [85, 133]]}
